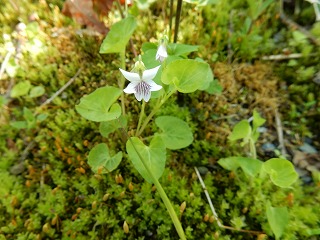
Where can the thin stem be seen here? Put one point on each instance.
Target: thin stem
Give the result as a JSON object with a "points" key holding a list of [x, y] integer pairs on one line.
{"points": [[253, 149], [122, 80], [177, 22], [153, 112], [163, 196], [141, 115]]}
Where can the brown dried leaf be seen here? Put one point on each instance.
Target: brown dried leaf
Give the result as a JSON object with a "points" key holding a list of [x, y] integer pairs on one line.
{"points": [[103, 6], [82, 12]]}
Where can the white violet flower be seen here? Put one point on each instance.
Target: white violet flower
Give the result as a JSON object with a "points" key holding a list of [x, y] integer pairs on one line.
{"points": [[162, 52], [141, 83]]}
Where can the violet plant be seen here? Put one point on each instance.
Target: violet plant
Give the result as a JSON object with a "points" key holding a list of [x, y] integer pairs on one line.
{"points": [[159, 73]]}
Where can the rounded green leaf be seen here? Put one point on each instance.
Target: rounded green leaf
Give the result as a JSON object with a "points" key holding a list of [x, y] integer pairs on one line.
{"points": [[176, 133], [154, 156], [100, 161], [241, 130], [20, 89], [36, 91], [250, 166], [187, 75], [99, 105], [118, 36], [281, 172]]}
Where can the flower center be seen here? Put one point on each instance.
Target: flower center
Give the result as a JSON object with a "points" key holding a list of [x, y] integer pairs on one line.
{"points": [[142, 88]]}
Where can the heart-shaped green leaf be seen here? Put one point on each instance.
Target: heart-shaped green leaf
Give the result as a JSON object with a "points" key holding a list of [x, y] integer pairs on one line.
{"points": [[281, 172], [118, 36], [187, 75], [100, 161], [154, 156], [99, 105], [278, 219], [176, 133]]}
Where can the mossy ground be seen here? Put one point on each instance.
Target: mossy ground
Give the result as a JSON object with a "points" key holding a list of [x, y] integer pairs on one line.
{"points": [[48, 191]]}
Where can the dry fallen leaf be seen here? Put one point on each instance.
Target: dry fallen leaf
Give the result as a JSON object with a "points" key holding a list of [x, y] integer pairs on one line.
{"points": [[82, 12], [102, 6]]}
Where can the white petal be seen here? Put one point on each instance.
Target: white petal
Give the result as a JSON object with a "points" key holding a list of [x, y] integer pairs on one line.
{"points": [[132, 77], [162, 51], [150, 73], [154, 86], [130, 88], [147, 97], [138, 96]]}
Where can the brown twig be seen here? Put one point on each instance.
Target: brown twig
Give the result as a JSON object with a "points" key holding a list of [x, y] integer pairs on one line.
{"points": [[284, 57], [294, 25], [5, 63], [215, 215], [280, 134], [62, 88]]}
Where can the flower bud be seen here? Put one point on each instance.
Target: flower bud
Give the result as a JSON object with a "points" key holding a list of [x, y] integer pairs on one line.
{"points": [[125, 227], [131, 186], [46, 228], [106, 197], [183, 207], [206, 217]]}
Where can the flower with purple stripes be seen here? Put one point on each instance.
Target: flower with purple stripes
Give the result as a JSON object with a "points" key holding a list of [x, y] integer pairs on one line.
{"points": [[141, 83]]}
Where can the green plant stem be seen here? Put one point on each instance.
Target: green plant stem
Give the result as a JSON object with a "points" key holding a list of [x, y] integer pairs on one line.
{"points": [[141, 115], [253, 149], [122, 80], [153, 112], [163, 196]]}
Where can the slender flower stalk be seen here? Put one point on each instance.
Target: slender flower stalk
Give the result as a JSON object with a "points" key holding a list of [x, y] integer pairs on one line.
{"points": [[141, 116], [163, 196], [122, 81], [153, 112]]}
